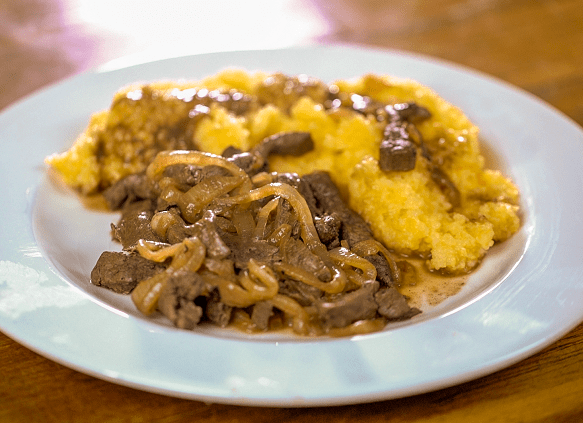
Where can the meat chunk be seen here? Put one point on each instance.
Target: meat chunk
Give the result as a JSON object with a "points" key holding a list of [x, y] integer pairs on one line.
{"points": [[129, 189], [284, 91], [250, 163], [206, 230], [349, 308], [261, 313], [121, 272], [446, 186], [297, 254], [398, 151], [286, 143], [328, 228], [135, 224], [411, 112], [216, 311], [384, 274], [397, 155], [184, 174], [305, 295], [326, 199], [393, 305], [243, 249], [282, 143], [177, 299]]}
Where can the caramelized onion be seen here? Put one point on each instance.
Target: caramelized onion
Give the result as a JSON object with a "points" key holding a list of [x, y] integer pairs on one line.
{"points": [[158, 251], [298, 203], [202, 194], [289, 306], [263, 216], [198, 158], [344, 256], [146, 294], [335, 286]]}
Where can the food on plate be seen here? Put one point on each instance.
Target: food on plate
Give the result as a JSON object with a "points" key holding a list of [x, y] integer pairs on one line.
{"points": [[266, 200]]}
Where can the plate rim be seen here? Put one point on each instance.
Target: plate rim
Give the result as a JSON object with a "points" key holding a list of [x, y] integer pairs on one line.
{"points": [[12, 330]]}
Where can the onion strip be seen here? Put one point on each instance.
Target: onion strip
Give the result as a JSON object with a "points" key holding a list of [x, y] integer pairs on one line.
{"points": [[188, 254], [291, 307], [163, 220], [280, 234], [146, 294], [202, 194], [343, 256], [158, 251], [250, 292], [198, 158], [263, 216], [336, 285]]}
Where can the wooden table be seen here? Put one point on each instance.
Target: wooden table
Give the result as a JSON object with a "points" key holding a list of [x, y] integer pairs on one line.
{"points": [[535, 45]]}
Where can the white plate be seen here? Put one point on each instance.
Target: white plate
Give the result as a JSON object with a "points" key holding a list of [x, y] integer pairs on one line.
{"points": [[527, 294]]}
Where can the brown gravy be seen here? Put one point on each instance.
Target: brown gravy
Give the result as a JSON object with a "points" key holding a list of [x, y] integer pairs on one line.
{"points": [[429, 289]]}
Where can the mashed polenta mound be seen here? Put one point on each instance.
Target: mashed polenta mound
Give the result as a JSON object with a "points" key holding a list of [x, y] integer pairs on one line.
{"points": [[407, 210]]}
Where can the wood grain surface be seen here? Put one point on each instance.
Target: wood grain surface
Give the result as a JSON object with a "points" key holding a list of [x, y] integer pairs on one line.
{"points": [[535, 45]]}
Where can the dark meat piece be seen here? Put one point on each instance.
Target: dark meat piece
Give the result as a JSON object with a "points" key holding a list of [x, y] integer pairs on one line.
{"points": [[397, 151], [393, 305], [286, 215], [234, 101], [359, 103], [384, 274], [177, 299], [121, 272], [230, 152], [328, 228], [243, 249], [184, 174], [261, 313], [411, 112], [135, 224], [282, 143], [349, 308], [286, 144], [397, 155], [129, 189], [304, 294], [297, 254], [398, 148], [204, 229], [247, 161], [212, 171], [218, 312], [178, 232], [292, 179], [326, 199], [284, 91], [446, 186]]}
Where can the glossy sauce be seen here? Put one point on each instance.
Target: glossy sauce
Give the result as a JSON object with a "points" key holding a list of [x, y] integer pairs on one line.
{"points": [[427, 289]]}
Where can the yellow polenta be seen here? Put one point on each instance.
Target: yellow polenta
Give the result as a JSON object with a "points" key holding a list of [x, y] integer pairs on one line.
{"points": [[406, 210]]}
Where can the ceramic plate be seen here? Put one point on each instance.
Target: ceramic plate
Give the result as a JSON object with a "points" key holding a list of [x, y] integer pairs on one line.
{"points": [[526, 295]]}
